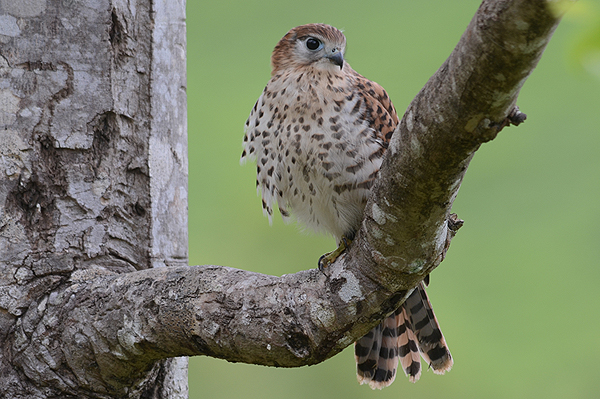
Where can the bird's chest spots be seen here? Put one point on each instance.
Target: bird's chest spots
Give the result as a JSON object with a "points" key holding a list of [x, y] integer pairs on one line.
{"points": [[309, 118], [313, 136]]}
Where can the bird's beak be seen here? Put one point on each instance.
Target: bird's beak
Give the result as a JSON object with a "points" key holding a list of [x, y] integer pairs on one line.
{"points": [[337, 58]]}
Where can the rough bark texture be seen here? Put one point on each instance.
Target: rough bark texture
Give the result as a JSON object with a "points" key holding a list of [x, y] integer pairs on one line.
{"points": [[94, 198], [94, 181]]}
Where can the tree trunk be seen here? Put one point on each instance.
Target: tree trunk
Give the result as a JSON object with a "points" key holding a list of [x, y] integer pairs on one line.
{"points": [[94, 166], [94, 198]]}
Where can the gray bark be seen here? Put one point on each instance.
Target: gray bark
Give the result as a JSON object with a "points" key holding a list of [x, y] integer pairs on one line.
{"points": [[94, 183], [94, 200]]}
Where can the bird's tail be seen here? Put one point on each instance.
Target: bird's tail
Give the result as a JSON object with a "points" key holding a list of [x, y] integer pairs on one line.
{"points": [[407, 334]]}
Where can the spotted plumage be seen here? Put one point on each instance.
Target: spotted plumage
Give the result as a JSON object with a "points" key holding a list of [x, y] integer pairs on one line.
{"points": [[318, 134]]}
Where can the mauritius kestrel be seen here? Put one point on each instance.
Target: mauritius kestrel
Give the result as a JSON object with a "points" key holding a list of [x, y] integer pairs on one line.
{"points": [[318, 133]]}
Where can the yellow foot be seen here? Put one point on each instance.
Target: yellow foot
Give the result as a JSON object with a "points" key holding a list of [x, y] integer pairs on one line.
{"points": [[330, 257]]}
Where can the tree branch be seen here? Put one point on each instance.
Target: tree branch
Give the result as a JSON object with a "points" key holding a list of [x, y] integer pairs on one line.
{"points": [[465, 103], [307, 317]]}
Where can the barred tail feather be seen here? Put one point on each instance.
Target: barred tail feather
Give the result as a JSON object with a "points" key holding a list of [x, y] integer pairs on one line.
{"points": [[408, 348], [378, 352], [404, 336], [388, 355], [432, 344], [366, 352], [377, 355]]}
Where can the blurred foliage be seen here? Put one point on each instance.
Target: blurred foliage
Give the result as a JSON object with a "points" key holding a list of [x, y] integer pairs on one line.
{"points": [[517, 296], [585, 49]]}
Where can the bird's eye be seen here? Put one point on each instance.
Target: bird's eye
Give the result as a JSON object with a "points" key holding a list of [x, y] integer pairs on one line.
{"points": [[313, 44]]}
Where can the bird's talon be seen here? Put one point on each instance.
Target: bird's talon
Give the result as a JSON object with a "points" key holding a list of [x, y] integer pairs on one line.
{"points": [[346, 242], [323, 263], [330, 257]]}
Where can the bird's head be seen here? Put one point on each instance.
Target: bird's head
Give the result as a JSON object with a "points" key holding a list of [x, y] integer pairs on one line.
{"points": [[318, 45]]}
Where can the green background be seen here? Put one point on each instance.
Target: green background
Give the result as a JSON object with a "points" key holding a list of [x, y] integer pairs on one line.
{"points": [[518, 295]]}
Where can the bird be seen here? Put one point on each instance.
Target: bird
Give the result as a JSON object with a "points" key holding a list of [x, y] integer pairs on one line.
{"points": [[318, 133]]}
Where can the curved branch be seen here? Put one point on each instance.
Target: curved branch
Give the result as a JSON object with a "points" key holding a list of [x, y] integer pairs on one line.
{"points": [[307, 317], [465, 103]]}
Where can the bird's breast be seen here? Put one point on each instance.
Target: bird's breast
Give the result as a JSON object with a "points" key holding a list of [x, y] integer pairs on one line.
{"points": [[314, 151]]}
